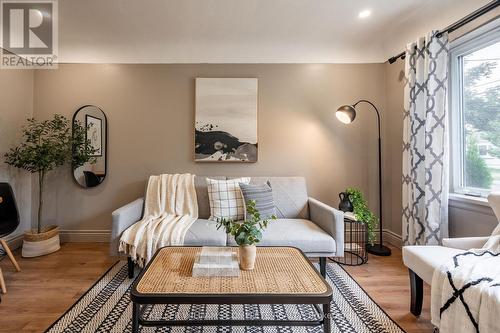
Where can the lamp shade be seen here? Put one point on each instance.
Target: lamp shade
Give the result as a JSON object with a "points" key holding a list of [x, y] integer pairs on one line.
{"points": [[346, 114]]}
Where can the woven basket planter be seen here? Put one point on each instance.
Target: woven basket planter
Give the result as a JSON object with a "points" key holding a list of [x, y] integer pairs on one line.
{"points": [[39, 244]]}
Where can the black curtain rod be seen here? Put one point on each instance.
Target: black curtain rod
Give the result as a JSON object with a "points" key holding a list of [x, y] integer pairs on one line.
{"points": [[452, 27]]}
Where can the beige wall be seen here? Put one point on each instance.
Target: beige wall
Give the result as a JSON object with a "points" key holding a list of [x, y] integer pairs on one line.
{"points": [[150, 110], [470, 219], [393, 130], [16, 105]]}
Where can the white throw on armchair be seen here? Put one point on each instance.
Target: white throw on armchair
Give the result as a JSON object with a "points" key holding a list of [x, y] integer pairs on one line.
{"points": [[423, 260]]}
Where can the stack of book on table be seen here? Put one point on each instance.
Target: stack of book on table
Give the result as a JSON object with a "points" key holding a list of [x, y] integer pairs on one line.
{"points": [[216, 261]]}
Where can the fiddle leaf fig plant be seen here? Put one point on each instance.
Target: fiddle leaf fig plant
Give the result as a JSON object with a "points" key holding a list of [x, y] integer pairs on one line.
{"points": [[248, 232], [363, 213], [47, 145]]}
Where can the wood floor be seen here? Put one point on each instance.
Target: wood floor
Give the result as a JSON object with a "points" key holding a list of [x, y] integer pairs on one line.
{"points": [[47, 286], [386, 280]]}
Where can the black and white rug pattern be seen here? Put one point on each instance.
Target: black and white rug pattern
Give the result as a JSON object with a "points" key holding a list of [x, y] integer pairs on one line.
{"points": [[106, 307]]}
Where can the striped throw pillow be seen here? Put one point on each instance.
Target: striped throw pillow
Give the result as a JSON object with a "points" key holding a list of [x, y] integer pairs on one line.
{"points": [[225, 198], [263, 196]]}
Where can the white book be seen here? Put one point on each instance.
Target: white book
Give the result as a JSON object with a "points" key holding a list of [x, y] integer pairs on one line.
{"points": [[216, 269], [216, 255]]}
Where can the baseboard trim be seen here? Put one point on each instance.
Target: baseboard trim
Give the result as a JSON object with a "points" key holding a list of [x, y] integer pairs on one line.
{"points": [[392, 238], [15, 242], [84, 236], [77, 236]]}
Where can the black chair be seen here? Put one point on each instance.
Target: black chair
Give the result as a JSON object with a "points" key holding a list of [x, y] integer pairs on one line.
{"points": [[91, 180], [9, 215], [9, 220]]}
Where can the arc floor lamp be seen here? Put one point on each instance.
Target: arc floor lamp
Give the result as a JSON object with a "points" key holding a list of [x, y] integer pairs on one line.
{"points": [[347, 114]]}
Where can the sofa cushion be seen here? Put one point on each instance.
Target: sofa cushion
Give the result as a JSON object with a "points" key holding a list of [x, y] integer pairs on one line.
{"points": [[226, 200], [290, 195], [423, 260], [300, 233], [204, 233], [262, 194], [200, 185]]}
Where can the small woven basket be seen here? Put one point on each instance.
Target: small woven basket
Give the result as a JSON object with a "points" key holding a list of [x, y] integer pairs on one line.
{"points": [[47, 233]]}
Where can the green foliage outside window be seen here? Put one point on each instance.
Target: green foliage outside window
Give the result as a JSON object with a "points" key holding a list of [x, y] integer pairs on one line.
{"points": [[482, 109], [477, 173], [481, 117]]}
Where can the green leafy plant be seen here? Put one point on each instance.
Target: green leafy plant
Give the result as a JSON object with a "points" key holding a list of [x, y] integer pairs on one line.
{"points": [[48, 145], [363, 213], [482, 108], [248, 232], [477, 173]]}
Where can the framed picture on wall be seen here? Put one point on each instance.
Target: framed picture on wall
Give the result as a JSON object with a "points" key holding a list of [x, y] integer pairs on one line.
{"points": [[94, 134], [226, 120]]}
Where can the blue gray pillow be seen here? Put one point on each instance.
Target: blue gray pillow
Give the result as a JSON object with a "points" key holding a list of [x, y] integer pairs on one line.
{"points": [[263, 196]]}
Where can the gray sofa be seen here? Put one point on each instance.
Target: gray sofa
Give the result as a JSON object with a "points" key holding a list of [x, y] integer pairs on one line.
{"points": [[303, 222]]}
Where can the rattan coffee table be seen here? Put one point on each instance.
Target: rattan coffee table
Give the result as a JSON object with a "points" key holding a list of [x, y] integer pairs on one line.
{"points": [[282, 275]]}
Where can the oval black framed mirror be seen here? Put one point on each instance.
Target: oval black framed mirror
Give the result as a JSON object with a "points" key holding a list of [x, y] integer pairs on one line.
{"points": [[90, 148]]}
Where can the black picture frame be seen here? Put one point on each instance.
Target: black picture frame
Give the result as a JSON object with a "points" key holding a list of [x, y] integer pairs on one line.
{"points": [[99, 139], [104, 145]]}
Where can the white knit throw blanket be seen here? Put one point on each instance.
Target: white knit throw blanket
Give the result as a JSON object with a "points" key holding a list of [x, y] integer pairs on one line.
{"points": [[170, 209], [465, 293]]}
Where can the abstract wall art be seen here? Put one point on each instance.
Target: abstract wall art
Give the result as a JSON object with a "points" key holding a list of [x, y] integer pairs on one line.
{"points": [[226, 120]]}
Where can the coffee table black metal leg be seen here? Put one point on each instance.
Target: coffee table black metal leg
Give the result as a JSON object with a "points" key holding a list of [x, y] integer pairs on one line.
{"points": [[327, 324], [135, 317]]}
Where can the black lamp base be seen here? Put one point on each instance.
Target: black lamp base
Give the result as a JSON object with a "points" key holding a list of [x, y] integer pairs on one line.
{"points": [[378, 250]]}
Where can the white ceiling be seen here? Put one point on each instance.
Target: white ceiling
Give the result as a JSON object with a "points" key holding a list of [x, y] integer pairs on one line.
{"points": [[247, 31]]}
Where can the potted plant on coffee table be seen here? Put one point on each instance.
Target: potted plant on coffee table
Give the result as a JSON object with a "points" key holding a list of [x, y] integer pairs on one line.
{"points": [[246, 234], [47, 145]]}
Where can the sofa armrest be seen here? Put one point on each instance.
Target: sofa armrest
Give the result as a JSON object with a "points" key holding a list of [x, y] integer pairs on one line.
{"points": [[329, 219], [465, 243], [123, 218]]}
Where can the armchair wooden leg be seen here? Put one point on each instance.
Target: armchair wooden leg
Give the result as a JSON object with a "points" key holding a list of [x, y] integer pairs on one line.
{"points": [[10, 255], [322, 266], [131, 267], [417, 293]]}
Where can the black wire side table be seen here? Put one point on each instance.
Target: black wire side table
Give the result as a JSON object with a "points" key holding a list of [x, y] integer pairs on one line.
{"points": [[355, 238]]}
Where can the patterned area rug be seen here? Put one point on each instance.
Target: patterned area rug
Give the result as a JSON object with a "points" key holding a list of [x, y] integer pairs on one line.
{"points": [[106, 307]]}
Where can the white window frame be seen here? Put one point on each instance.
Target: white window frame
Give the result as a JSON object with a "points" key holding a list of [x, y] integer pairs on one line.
{"points": [[484, 36]]}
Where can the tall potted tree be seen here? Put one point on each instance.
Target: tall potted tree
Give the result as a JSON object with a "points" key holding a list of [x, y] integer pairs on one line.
{"points": [[47, 145]]}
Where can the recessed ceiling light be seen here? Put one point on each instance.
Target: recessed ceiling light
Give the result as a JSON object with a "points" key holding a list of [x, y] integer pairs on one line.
{"points": [[364, 14]]}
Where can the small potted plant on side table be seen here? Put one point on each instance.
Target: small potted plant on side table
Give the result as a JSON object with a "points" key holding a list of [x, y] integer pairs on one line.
{"points": [[363, 213], [246, 234], [359, 227]]}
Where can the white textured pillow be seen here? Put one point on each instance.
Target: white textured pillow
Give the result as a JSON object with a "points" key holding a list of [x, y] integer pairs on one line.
{"points": [[226, 200]]}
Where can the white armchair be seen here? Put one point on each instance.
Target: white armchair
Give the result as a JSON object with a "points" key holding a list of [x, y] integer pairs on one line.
{"points": [[423, 260], [465, 243]]}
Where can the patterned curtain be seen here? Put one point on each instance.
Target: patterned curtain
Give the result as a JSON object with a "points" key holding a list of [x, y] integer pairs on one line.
{"points": [[425, 141]]}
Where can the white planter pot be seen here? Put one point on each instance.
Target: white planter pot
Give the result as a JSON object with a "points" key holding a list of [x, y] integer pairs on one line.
{"points": [[35, 245]]}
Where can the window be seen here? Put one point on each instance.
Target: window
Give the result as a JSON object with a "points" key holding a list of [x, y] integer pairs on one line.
{"points": [[475, 112]]}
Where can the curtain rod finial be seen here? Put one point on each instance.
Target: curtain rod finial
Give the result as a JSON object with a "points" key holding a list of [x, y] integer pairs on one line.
{"points": [[401, 56]]}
